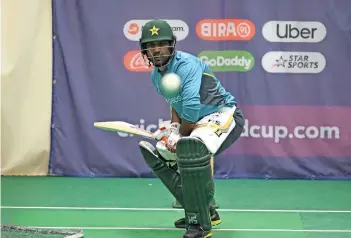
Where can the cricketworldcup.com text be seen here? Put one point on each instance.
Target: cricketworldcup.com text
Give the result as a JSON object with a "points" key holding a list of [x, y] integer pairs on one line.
{"points": [[272, 132]]}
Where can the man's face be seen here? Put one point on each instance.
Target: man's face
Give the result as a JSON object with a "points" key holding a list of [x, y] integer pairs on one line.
{"points": [[159, 52]]}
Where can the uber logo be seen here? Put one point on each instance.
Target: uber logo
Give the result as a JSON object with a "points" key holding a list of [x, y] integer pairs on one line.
{"points": [[294, 31]]}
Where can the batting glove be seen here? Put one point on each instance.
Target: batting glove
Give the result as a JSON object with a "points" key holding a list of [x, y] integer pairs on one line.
{"points": [[172, 141], [165, 131]]}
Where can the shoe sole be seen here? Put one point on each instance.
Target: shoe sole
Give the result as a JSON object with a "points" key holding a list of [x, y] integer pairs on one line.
{"points": [[213, 223], [209, 235]]}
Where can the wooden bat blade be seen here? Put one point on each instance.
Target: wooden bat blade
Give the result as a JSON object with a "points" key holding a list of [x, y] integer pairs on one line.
{"points": [[125, 127]]}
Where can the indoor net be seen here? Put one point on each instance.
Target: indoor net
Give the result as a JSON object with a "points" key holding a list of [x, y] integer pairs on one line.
{"points": [[13, 231]]}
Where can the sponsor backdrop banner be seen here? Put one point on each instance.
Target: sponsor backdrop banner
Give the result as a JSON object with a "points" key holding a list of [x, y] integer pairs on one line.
{"points": [[26, 87], [287, 63]]}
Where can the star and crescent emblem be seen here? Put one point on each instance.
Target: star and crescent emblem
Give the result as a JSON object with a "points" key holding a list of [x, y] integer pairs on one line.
{"points": [[154, 30]]}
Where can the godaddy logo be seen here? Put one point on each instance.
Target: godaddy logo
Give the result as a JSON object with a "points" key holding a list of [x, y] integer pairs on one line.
{"points": [[222, 61]]}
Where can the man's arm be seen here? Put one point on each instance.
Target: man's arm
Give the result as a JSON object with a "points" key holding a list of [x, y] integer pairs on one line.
{"points": [[185, 126], [174, 116], [192, 74]]}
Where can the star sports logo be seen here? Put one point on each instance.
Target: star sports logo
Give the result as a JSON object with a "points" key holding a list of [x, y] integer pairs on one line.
{"points": [[293, 62], [133, 61], [132, 29]]}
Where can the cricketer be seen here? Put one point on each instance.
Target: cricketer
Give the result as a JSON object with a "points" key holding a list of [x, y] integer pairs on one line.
{"points": [[205, 121]]}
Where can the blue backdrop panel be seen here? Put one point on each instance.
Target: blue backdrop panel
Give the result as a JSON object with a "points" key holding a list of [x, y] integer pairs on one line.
{"points": [[295, 92]]}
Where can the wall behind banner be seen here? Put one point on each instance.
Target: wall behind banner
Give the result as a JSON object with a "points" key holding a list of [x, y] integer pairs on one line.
{"points": [[293, 85], [26, 87]]}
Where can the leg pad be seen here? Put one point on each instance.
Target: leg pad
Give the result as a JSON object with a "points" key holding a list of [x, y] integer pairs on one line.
{"points": [[169, 177], [196, 175]]}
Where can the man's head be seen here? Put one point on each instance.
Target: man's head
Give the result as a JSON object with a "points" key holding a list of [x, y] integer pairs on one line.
{"points": [[157, 42]]}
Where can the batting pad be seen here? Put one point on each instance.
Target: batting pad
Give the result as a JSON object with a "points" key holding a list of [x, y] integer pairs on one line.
{"points": [[198, 187], [169, 177]]}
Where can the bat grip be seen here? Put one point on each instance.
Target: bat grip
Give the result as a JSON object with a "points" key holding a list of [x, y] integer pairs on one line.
{"points": [[165, 138]]}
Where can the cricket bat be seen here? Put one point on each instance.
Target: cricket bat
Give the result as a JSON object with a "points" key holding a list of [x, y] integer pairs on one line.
{"points": [[125, 127]]}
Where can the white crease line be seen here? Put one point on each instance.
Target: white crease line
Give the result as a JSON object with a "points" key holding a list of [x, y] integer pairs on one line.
{"points": [[176, 229], [173, 209]]}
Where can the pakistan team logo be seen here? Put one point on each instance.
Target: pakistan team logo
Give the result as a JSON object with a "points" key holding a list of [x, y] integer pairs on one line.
{"points": [[231, 60]]}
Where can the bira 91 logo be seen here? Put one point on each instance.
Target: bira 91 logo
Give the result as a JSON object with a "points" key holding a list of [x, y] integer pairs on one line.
{"points": [[225, 29], [293, 62], [224, 61], [294, 31], [133, 61]]}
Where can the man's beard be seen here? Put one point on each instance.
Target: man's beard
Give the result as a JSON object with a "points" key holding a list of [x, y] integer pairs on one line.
{"points": [[160, 60]]}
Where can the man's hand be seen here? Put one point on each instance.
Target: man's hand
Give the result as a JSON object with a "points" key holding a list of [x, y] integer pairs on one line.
{"points": [[163, 132], [172, 141], [173, 137], [184, 128]]}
